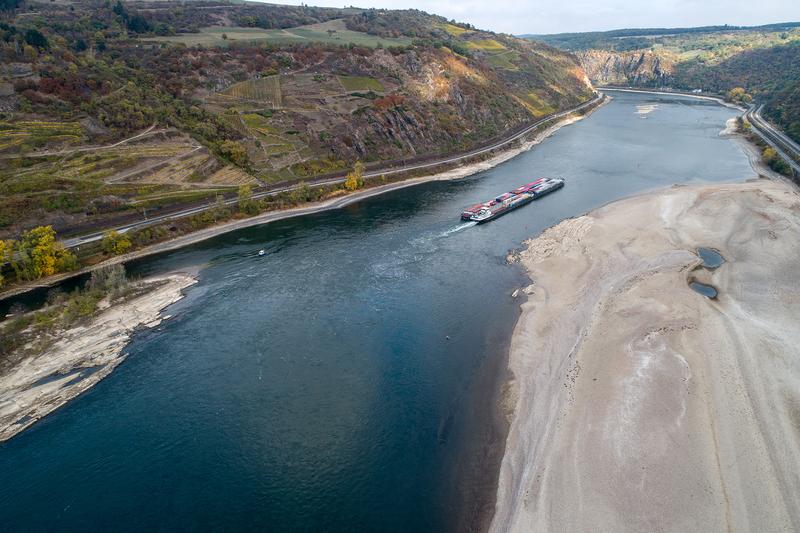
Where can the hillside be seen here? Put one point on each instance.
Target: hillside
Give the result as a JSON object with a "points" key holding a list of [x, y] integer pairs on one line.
{"points": [[114, 108], [764, 60]]}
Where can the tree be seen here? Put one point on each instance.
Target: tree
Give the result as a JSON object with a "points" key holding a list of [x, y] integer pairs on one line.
{"points": [[35, 38], [115, 243], [355, 179], [109, 280], [235, 152], [7, 5], [39, 254], [138, 24], [775, 161], [246, 203], [120, 11], [6, 252], [245, 192], [738, 95]]}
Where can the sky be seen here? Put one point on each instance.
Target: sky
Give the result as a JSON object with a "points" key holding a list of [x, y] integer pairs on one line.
{"points": [[556, 16]]}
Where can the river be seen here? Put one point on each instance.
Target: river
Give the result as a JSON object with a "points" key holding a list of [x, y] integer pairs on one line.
{"points": [[346, 380]]}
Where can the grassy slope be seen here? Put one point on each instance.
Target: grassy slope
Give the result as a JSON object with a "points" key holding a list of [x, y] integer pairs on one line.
{"points": [[302, 90], [329, 32]]}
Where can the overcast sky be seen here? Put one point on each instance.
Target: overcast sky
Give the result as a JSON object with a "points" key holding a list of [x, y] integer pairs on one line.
{"points": [[555, 16]]}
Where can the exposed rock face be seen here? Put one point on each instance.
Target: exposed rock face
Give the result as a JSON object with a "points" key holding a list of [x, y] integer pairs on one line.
{"points": [[640, 67]]}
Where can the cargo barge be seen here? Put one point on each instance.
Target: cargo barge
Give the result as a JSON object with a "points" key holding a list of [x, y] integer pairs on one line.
{"points": [[511, 200]]}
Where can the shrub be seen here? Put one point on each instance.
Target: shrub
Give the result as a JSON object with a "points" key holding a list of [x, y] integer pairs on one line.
{"points": [[115, 243], [355, 179]]}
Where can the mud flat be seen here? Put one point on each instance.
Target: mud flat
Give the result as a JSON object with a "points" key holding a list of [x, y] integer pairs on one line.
{"points": [[641, 405], [40, 383]]}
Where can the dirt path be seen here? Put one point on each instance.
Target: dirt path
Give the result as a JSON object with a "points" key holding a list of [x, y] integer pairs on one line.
{"points": [[149, 131]]}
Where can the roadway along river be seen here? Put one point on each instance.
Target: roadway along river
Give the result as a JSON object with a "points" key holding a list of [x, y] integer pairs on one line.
{"points": [[344, 381]]}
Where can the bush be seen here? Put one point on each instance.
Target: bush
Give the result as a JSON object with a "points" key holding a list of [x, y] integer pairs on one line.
{"points": [[115, 243], [355, 179], [775, 161], [235, 152]]}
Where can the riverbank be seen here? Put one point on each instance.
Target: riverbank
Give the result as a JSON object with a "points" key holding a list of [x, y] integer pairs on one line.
{"points": [[326, 205], [640, 404], [36, 384], [697, 96]]}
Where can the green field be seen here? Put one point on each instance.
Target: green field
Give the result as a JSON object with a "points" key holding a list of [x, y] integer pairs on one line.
{"points": [[452, 29], [31, 134], [503, 60], [361, 83], [487, 45], [535, 104], [265, 90], [331, 32]]}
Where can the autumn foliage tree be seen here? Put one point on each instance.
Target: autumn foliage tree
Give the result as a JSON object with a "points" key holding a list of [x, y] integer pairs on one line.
{"points": [[38, 254], [115, 243], [390, 101], [235, 152], [6, 251], [775, 161], [355, 179], [739, 96]]}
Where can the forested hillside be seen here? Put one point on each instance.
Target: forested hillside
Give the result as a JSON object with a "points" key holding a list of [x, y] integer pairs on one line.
{"points": [[764, 61], [112, 107]]}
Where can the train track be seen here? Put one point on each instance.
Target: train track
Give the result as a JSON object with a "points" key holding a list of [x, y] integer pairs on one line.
{"points": [[786, 147], [95, 236]]}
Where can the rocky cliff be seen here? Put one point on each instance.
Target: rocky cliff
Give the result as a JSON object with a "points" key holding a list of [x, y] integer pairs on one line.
{"points": [[639, 67]]}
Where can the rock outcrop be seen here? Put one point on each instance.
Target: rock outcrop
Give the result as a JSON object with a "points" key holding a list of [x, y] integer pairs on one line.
{"points": [[640, 67]]}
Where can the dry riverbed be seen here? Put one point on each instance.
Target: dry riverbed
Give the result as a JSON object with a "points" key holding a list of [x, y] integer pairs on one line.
{"points": [[641, 405], [38, 383]]}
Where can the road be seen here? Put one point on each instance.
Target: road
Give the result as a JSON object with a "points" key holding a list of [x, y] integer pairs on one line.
{"points": [[786, 147], [85, 239]]}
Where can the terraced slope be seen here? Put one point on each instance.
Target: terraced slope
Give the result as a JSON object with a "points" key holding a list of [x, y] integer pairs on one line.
{"points": [[111, 109]]}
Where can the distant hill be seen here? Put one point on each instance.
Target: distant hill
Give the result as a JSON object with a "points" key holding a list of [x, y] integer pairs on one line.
{"points": [[764, 60], [216, 94], [636, 38]]}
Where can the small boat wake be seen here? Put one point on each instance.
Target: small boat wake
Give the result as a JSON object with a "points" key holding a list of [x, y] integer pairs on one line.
{"points": [[458, 228]]}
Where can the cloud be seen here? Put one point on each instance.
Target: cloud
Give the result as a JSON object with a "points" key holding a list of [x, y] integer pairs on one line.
{"points": [[555, 16]]}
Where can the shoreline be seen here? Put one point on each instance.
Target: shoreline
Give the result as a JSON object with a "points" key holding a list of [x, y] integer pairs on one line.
{"points": [[36, 385], [39, 385], [503, 392], [556, 459], [716, 99], [309, 209]]}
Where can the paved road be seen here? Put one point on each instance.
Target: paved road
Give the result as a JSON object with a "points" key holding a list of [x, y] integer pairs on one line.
{"points": [[786, 147], [84, 239]]}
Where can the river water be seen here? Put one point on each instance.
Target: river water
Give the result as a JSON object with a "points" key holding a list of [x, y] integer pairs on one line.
{"points": [[345, 381]]}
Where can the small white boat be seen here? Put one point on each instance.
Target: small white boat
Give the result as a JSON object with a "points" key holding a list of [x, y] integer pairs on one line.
{"points": [[262, 253]]}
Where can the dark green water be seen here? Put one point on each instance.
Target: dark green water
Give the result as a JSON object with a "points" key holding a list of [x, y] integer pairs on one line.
{"points": [[345, 381]]}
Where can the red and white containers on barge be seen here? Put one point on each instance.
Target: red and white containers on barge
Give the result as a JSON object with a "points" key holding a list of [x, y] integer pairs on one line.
{"points": [[511, 200]]}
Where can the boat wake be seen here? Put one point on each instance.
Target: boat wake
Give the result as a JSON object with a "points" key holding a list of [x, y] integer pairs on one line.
{"points": [[458, 228]]}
